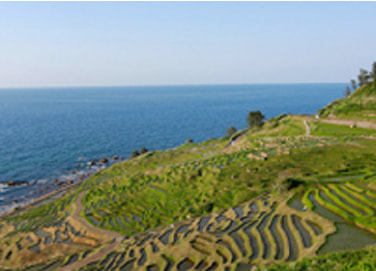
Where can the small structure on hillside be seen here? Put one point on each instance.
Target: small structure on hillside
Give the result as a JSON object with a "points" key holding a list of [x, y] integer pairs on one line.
{"points": [[262, 156]]}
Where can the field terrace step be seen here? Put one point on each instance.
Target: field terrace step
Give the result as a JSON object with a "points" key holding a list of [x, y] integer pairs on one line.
{"points": [[271, 234]]}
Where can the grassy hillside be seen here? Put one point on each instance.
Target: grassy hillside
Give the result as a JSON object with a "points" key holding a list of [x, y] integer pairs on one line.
{"points": [[359, 105], [364, 259], [275, 197]]}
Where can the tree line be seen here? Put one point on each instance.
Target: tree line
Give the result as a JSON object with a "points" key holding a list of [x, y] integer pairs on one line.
{"points": [[364, 78], [136, 153], [255, 119]]}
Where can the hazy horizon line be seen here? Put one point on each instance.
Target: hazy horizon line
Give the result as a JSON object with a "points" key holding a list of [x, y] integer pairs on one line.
{"points": [[168, 85]]}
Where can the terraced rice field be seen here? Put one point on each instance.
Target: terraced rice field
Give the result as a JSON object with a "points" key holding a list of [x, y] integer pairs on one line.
{"points": [[351, 206], [258, 231], [120, 204], [350, 201], [29, 239]]}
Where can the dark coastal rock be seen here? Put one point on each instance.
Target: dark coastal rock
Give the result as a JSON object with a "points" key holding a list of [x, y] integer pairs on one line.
{"points": [[92, 163], [72, 172], [59, 183], [70, 182], [55, 180], [13, 183], [104, 160], [115, 158], [81, 177], [80, 165]]}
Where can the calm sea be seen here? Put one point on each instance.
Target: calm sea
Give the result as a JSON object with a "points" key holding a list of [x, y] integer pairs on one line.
{"points": [[45, 133]]}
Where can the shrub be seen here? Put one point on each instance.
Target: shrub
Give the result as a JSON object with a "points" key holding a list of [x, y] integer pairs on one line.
{"points": [[293, 183], [230, 131], [135, 153], [255, 119]]}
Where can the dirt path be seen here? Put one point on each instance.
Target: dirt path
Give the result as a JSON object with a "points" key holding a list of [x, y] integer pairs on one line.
{"points": [[308, 129], [233, 142], [361, 124], [92, 258], [76, 216], [98, 255]]}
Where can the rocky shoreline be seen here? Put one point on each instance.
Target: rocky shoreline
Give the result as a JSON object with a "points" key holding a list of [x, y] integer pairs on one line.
{"points": [[37, 200], [58, 185]]}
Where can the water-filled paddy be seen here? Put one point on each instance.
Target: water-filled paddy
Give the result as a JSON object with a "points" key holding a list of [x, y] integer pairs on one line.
{"points": [[347, 237]]}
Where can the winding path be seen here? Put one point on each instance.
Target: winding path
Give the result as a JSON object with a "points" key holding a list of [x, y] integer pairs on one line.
{"points": [[234, 140], [308, 129], [98, 255]]}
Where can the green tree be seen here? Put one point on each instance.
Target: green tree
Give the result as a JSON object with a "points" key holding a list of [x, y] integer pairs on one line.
{"points": [[353, 84], [373, 73], [230, 131], [144, 150], [255, 119], [135, 153], [363, 77], [348, 91]]}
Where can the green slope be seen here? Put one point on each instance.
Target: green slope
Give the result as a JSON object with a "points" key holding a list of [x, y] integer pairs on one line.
{"points": [[361, 260], [359, 105]]}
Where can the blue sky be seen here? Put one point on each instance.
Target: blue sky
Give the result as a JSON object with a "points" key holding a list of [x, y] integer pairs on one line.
{"points": [[167, 43]]}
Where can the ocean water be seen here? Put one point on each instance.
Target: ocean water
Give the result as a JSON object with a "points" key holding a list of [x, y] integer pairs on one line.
{"points": [[46, 132]]}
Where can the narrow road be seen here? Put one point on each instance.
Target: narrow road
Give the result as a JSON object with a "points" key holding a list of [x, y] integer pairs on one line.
{"points": [[361, 124], [98, 255], [234, 141], [308, 129], [76, 216]]}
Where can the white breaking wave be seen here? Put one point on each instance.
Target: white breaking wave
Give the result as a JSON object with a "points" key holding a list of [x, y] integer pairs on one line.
{"points": [[7, 208], [42, 181], [3, 188]]}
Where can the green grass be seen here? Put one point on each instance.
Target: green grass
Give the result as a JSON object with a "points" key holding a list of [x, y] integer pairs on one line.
{"points": [[340, 207], [352, 201], [44, 215], [288, 126], [306, 201], [326, 129], [160, 195], [361, 260], [340, 203], [172, 200], [332, 207], [359, 105]]}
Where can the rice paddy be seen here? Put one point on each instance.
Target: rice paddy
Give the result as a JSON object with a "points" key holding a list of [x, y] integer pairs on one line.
{"points": [[347, 200], [258, 232], [207, 206]]}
